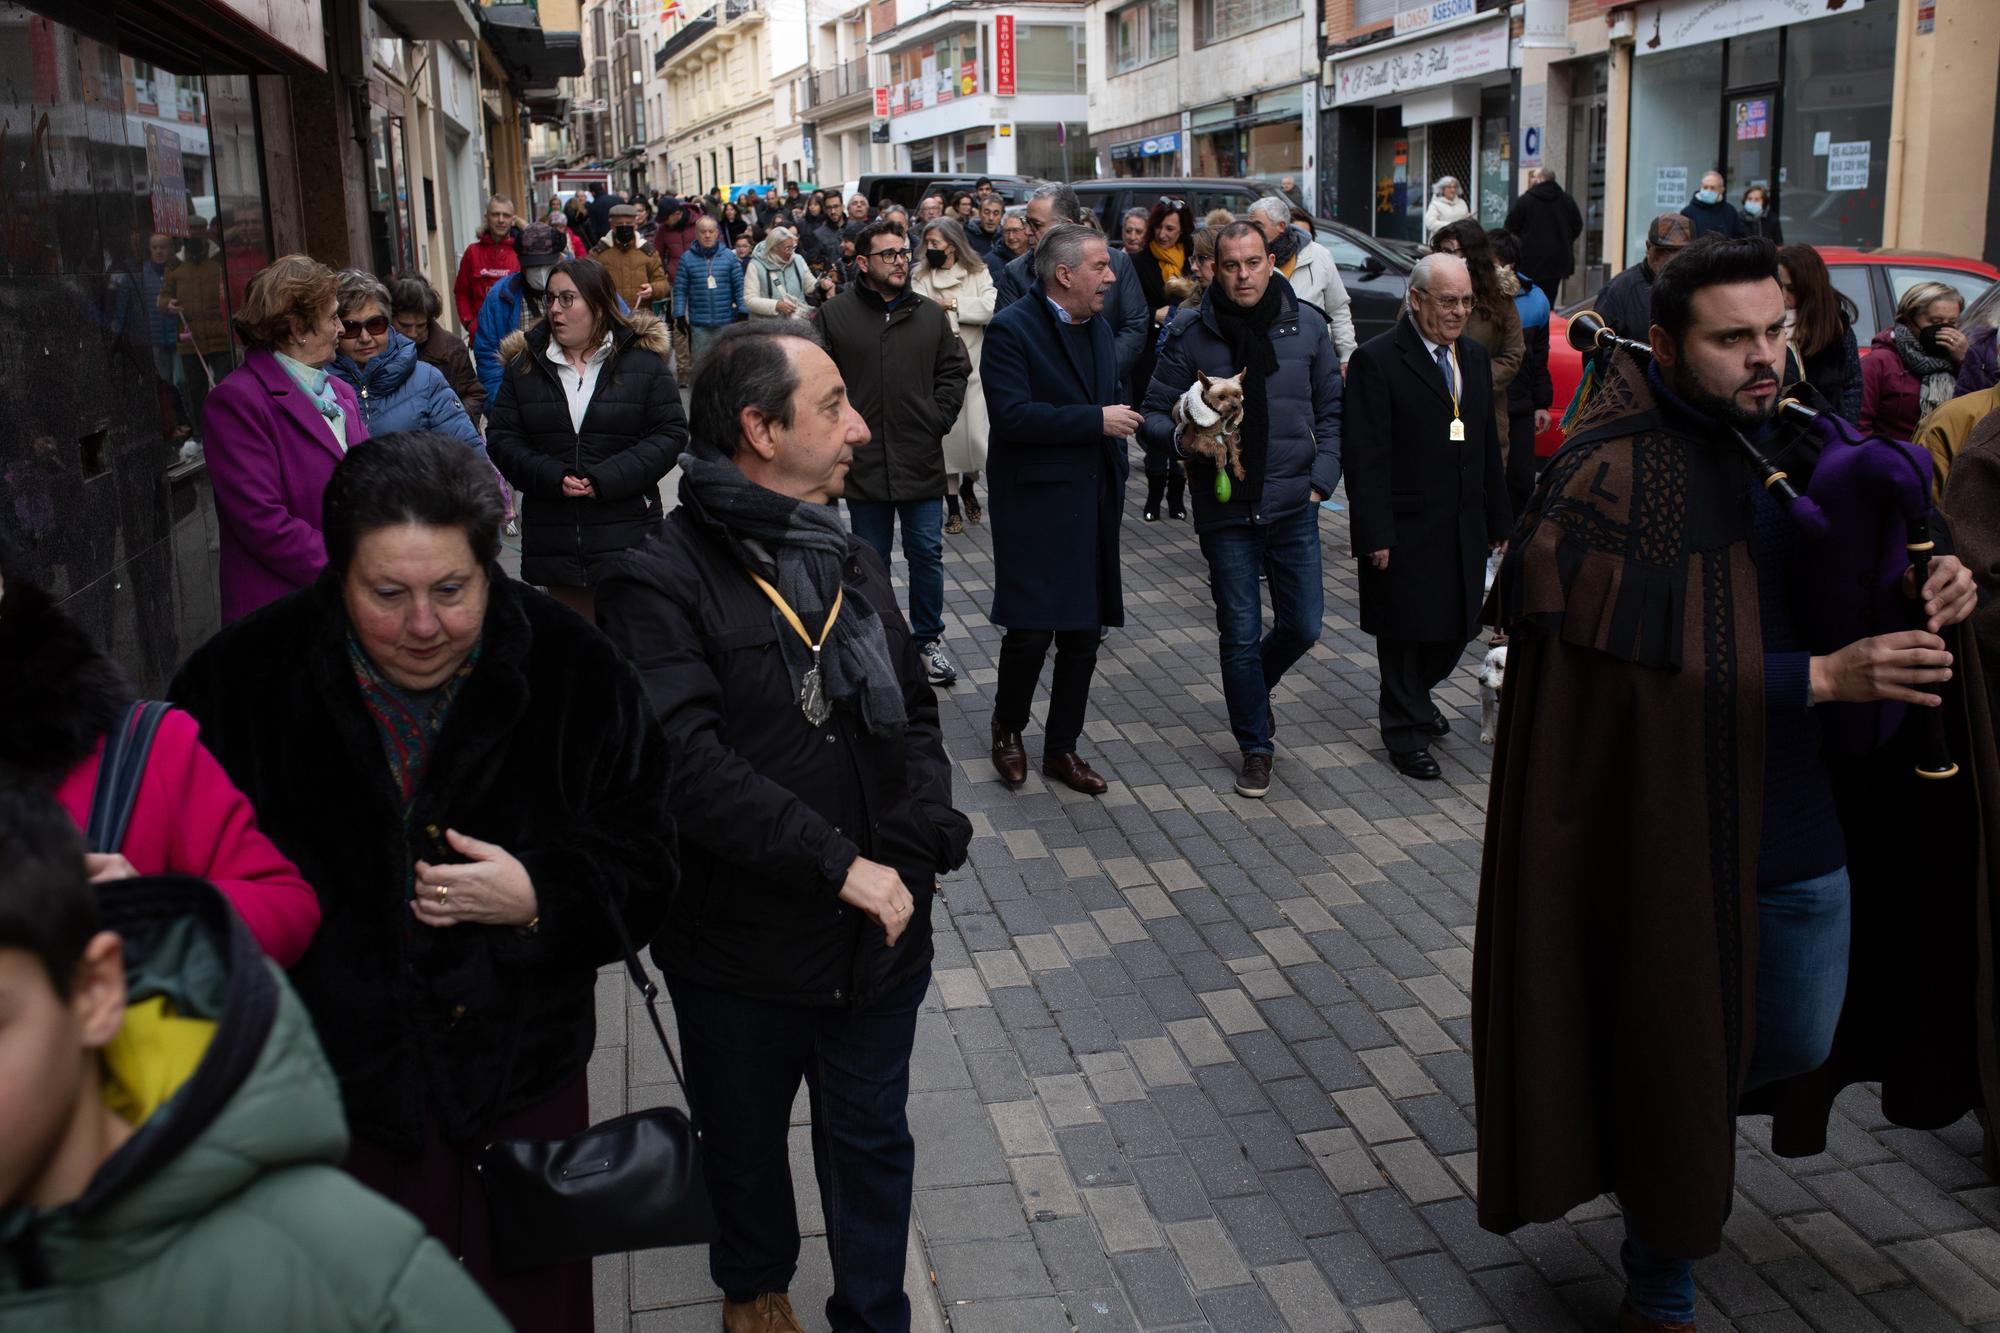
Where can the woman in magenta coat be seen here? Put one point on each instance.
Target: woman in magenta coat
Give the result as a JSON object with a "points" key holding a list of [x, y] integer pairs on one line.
{"points": [[272, 432], [59, 697]]}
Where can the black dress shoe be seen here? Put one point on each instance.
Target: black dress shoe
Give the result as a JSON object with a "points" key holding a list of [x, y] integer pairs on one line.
{"points": [[1440, 725], [1417, 764]]}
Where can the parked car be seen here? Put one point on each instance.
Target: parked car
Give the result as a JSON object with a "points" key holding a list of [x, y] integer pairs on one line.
{"points": [[1873, 279], [1374, 272], [906, 188]]}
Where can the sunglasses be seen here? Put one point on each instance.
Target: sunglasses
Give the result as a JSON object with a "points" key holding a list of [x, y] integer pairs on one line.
{"points": [[374, 328], [1172, 202]]}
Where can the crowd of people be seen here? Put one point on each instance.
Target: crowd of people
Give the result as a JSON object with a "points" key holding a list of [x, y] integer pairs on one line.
{"points": [[433, 799]]}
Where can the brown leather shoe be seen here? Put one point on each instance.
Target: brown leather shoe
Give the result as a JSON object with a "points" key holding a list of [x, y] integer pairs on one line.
{"points": [[1070, 770], [1010, 757], [1631, 1321], [768, 1313]]}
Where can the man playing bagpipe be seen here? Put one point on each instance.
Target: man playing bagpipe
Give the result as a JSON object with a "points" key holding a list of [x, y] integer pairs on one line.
{"points": [[1715, 881]]}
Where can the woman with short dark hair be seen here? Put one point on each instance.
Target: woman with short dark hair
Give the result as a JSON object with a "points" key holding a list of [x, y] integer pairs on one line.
{"points": [[587, 421], [397, 390], [470, 780], [415, 307], [273, 430]]}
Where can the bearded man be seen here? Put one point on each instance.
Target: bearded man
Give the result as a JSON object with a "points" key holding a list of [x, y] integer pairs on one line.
{"points": [[1694, 902]]}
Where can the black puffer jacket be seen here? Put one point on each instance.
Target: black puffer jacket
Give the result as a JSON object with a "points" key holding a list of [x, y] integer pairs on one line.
{"points": [[633, 431], [906, 373], [772, 810], [547, 751]]}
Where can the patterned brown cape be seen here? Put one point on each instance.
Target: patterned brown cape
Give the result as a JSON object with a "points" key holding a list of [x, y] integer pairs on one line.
{"points": [[1615, 964]]}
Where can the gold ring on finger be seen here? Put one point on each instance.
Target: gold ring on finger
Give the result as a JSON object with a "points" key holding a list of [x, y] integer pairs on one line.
{"points": [[444, 892]]}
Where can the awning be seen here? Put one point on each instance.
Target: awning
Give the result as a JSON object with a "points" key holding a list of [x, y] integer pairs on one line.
{"points": [[431, 20], [532, 58]]}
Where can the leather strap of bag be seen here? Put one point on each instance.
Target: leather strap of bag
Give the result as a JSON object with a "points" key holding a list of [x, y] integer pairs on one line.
{"points": [[120, 773], [637, 971]]}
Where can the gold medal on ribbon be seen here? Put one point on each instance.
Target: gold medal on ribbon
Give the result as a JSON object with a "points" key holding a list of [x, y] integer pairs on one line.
{"points": [[1457, 431]]}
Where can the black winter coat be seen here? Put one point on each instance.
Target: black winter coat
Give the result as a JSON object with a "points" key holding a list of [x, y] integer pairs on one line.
{"points": [[1626, 302], [1435, 504], [906, 373], [1302, 454], [1547, 222], [774, 810], [1056, 481], [633, 431], [548, 752]]}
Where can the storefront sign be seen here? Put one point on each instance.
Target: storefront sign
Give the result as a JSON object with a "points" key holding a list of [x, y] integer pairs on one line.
{"points": [[1670, 188], [881, 103], [1432, 13], [1534, 111], [1160, 145], [1753, 118], [968, 78], [1847, 166], [1463, 53], [1545, 25], [169, 183], [1667, 25], [1003, 54]]}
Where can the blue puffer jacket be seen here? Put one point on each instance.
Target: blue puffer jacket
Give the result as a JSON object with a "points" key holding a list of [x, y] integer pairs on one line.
{"points": [[699, 303], [1303, 400], [399, 392]]}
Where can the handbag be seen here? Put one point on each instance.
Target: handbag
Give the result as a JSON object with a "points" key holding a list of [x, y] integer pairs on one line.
{"points": [[631, 1183], [120, 772]]}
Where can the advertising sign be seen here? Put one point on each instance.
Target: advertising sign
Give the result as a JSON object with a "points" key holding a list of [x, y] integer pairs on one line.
{"points": [[881, 103], [1462, 53], [1003, 54], [169, 183], [1847, 166]]}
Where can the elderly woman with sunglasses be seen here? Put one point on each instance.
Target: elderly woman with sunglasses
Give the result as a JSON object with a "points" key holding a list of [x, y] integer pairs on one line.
{"points": [[397, 390]]}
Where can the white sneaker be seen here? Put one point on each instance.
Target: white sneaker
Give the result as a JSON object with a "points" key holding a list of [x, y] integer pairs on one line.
{"points": [[937, 667]]}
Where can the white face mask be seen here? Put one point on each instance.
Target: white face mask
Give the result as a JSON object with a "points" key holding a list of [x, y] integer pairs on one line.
{"points": [[536, 278]]}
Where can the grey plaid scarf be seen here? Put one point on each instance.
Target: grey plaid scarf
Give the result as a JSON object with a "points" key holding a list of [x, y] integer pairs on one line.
{"points": [[801, 548]]}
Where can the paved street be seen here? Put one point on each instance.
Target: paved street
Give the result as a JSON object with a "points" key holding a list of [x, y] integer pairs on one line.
{"points": [[1197, 1062]]}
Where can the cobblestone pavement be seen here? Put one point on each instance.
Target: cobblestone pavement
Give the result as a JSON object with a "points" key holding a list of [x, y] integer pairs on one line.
{"points": [[1197, 1062]]}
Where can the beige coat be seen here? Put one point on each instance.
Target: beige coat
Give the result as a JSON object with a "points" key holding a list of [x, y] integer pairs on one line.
{"points": [[965, 442]]}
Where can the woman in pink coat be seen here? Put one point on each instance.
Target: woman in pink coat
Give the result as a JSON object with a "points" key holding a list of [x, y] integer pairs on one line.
{"points": [[59, 696], [272, 432]]}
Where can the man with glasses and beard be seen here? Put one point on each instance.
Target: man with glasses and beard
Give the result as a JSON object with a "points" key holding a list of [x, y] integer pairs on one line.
{"points": [[906, 375], [1131, 322], [1429, 500], [1692, 879]]}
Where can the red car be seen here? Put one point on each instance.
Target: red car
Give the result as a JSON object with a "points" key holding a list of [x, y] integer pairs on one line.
{"points": [[1873, 279]]}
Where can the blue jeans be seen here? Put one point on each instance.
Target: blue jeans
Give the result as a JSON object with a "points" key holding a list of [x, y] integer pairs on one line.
{"points": [[874, 522], [1253, 662], [1802, 946], [744, 1059]]}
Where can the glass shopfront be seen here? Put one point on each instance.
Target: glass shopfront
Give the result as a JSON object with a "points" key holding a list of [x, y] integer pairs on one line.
{"points": [[1802, 110], [135, 226], [1262, 135]]}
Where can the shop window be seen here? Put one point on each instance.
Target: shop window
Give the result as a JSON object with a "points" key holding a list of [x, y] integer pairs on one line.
{"points": [[1219, 20], [1834, 155], [1049, 58], [1676, 130], [1141, 34]]}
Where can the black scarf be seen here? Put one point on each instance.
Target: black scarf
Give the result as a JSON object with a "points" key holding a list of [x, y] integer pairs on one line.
{"points": [[800, 548], [1247, 330], [1287, 246]]}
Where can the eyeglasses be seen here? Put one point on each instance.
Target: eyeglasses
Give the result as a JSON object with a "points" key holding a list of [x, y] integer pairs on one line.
{"points": [[374, 328], [1446, 302], [566, 298], [893, 258]]}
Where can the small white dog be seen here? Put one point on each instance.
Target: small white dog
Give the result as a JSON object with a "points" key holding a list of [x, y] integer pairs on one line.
{"points": [[1492, 669]]}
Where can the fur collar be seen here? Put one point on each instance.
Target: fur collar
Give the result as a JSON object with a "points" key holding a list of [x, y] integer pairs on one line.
{"points": [[643, 331], [58, 693]]}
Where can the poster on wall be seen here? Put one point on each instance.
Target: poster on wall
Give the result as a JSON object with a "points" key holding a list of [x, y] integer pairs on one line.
{"points": [[169, 182], [1753, 118], [1847, 166], [1670, 188], [1003, 55], [968, 78]]}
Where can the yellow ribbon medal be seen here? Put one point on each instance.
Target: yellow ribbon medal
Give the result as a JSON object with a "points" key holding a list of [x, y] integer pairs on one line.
{"points": [[812, 697]]}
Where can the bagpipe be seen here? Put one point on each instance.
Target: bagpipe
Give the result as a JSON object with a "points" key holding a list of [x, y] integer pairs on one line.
{"points": [[1865, 520]]}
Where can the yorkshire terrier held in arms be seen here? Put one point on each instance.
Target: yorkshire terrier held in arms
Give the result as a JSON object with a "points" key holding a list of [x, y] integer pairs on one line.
{"points": [[1209, 420]]}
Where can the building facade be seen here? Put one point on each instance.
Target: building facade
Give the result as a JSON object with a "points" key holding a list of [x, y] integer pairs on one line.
{"points": [[836, 101], [720, 63], [1203, 88]]}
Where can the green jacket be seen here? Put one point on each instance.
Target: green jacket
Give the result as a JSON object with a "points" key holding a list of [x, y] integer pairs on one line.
{"points": [[225, 1210]]}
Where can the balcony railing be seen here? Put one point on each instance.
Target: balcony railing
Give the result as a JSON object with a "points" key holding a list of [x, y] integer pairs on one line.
{"points": [[830, 85], [698, 27]]}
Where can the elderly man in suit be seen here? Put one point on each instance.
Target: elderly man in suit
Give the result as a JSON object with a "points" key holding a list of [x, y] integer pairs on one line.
{"points": [[1429, 500], [1056, 471]]}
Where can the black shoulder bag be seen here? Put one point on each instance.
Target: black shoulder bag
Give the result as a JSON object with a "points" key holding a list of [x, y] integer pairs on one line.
{"points": [[120, 772], [633, 1183]]}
